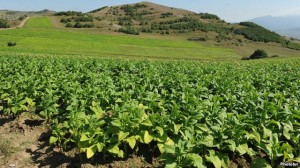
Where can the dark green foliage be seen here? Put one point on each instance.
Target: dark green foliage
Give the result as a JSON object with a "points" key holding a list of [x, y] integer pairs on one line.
{"points": [[146, 30], [84, 18], [22, 17], [259, 54], [198, 39], [125, 21], [129, 30], [11, 44], [132, 10], [209, 16], [222, 37], [64, 20], [250, 24], [257, 33], [80, 25], [187, 24], [165, 15], [4, 23], [99, 9], [69, 25], [68, 13]]}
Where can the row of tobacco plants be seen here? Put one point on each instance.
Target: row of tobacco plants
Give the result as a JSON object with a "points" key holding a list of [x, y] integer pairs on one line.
{"points": [[189, 114]]}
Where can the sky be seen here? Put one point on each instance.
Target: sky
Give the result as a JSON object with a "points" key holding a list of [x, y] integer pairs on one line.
{"points": [[229, 10]]}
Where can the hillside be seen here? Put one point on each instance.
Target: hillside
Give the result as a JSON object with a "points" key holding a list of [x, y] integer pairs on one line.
{"points": [[150, 18]]}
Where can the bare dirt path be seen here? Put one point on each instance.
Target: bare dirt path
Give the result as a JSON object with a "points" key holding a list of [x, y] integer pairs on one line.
{"points": [[19, 26]]}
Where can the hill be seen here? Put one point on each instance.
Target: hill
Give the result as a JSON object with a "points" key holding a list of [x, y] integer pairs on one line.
{"points": [[150, 18], [284, 25]]}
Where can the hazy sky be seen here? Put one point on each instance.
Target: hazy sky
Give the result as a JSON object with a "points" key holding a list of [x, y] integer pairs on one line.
{"points": [[229, 10]]}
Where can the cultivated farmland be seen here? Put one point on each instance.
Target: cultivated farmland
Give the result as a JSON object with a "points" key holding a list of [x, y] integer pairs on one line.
{"points": [[187, 114]]}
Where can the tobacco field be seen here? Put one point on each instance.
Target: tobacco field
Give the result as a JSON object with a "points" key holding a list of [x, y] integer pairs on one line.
{"points": [[188, 114]]}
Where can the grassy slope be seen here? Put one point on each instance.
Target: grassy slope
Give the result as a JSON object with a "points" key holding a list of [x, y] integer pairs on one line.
{"points": [[39, 22], [40, 36]]}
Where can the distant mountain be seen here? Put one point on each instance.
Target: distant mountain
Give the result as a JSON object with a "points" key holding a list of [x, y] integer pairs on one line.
{"points": [[284, 25]]}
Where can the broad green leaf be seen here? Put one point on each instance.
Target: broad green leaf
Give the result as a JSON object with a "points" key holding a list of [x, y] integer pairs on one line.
{"points": [[214, 159], [84, 138], [160, 130], [286, 129], [53, 140], [242, 149], [195, 159], [176, 128], [172, 165], [90, 152], [297, 159], [116, 123], [147, 137], [114, 149], [231, 145], [147, 122], [159, 138], [208, 141], [169, 149], [255, 136], [169, 141], [120, 154], [122, 135], [119, 100], [161, 147], [131, 141], [267, 132], [100, 147]]}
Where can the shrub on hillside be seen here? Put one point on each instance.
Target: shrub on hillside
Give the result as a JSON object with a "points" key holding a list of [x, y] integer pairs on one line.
{"points": [[209, 16], [68, 13], [165, 15], [11, 44], [69, 25], [99, 9], [129, 30], [259, 54], [4, 23]]}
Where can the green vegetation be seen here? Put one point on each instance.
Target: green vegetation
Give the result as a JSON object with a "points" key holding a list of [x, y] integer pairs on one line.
{"points": [[66, 42], [259, 54], [78, 21], [165, 15], [11, 44], [99, 9], [39, 22], [68, 13], [80, 25], [209, 16], [129, 30], [256, 33], [191, 114], [186, 24], [4, 23]]}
